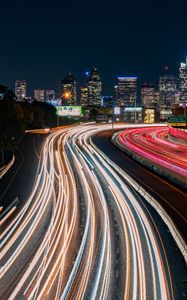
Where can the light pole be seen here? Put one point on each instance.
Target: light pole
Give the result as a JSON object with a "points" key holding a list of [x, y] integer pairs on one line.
{"points": [[135, 116], [113, 115], [57, 116]]}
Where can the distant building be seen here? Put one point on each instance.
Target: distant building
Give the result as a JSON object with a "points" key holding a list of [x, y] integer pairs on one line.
{"points": [[94, 87], [69, 90], [180, 110], [148, 95], [126, 91], [165, 113], [84, 96], [128, 114], [167, 91], [39, 95], [20, 89], [107, 101], [151, 115], [49, 95], [132, 114], [183, 81], [3, 90], [1, 95]]}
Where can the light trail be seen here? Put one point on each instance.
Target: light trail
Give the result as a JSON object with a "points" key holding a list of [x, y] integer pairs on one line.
{"points": [[5, 218], [74, 189], [6, 168], [15, 201], [153, 145]]}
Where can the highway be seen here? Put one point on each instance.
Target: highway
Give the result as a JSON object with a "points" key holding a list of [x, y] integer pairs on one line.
{"points": [[21, 176], [170, 196], [154, 146], [84, 233]]}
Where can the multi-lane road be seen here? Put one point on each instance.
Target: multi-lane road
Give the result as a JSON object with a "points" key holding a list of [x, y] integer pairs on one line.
{"points": [[84, 233], [153, 145], [170, 196]]}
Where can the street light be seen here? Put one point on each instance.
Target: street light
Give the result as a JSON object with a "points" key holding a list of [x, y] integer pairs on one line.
{"points": [[113, 115], [57, 116], [135, 116], [67, 95]]}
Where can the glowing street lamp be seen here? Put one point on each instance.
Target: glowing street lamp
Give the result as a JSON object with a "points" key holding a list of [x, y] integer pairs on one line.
{"points": [[67, 95]]}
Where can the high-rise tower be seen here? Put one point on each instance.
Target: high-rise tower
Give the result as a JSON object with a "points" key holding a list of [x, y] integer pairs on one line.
{"points": [[20, 89], [39, 95], [167, 91], [84, 96], [94, 88], [148, 95], [69, 90], [126, 91], [183, 81], [49, 95]]}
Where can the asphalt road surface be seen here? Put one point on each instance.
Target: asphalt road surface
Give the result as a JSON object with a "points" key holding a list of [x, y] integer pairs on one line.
{"points": [[172, 197], [79, 231]]}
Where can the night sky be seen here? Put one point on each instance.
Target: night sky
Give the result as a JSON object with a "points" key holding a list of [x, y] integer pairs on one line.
{"points": [[42, 40]]}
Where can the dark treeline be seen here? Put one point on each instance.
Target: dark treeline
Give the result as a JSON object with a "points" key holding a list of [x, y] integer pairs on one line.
{"points": [[16, 117]]}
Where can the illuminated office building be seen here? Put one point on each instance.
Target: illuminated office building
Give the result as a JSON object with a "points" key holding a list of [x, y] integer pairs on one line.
{"points": [[84, 96], [69, 90], [107, 101], [148, 95], [49, 95], [39, 95], [20, 89], [94, 87], [167, 90], [150, 115], [183, 81], [3, 90], [126, 91]]}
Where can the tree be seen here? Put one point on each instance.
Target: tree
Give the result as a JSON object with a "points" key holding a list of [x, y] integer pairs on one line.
{"points": [[48, 114], [12, 124], [28, 114], [38, 117]]}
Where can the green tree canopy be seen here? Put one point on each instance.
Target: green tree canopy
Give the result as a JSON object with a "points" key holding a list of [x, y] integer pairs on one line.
{"points": [[12, 123]]}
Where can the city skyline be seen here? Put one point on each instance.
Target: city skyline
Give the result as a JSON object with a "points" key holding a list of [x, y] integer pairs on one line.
{"points": [[93, 150], [166, 70], [168, 86], [119, 39]]}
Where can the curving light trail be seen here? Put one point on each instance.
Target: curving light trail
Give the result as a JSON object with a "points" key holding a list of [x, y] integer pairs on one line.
{"points": [[153, 145], [62, 244]]}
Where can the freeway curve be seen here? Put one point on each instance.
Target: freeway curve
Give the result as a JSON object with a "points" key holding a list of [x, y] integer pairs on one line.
{"points": [[170, 196], [84, 233], [153, 146]]}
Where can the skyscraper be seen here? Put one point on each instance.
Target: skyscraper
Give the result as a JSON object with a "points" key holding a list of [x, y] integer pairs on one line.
{"points": [[94, 88], [183, 81], [20, 89], [3, 90], [167, 90], [69, 90], [84, 96], [148, 95], [39, 95], [49, 95], [107, 101], [126, 91]]}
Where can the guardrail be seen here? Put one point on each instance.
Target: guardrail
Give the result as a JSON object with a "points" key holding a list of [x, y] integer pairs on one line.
{"points": [[152, 201]]}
